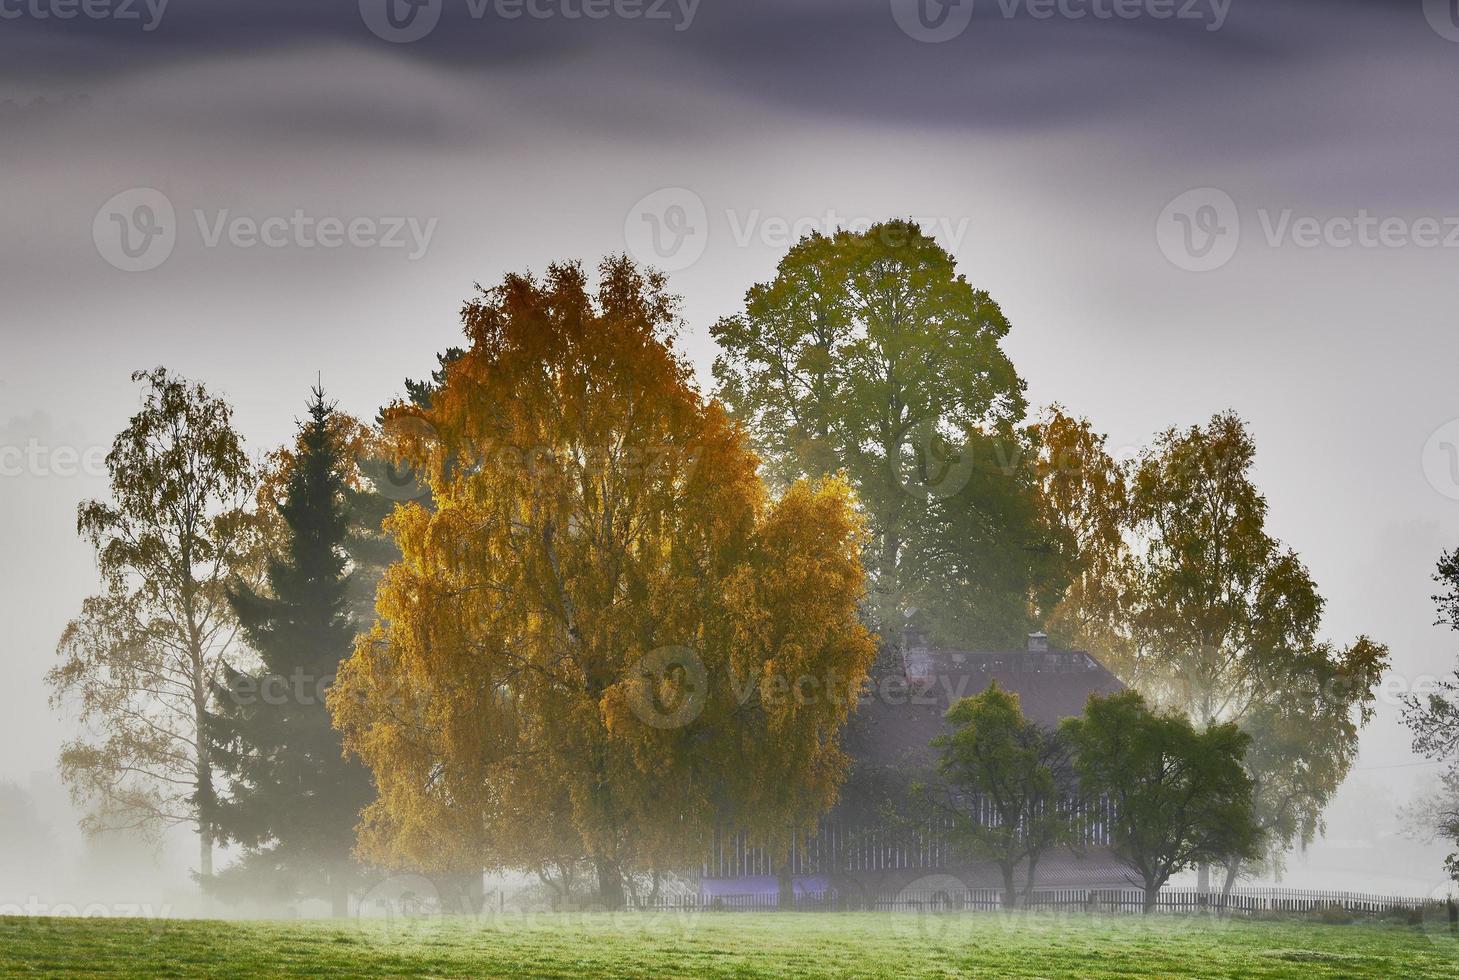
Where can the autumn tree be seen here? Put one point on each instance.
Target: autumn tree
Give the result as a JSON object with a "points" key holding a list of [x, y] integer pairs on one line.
{"points": [[1085, 499], [998, 762], [1225, 621], [869, 354], [592, 646], [140, 661], [1179, 796], [293, 798]]}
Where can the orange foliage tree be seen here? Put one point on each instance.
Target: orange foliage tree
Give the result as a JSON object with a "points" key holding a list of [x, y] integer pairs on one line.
{"points": [[605, 638]]}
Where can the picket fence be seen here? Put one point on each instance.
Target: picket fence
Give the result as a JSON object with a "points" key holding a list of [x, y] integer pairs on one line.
{"points": [[1241, 901]]}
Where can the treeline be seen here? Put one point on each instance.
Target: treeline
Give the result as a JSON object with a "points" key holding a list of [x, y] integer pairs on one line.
{"points": [[526, 618]]}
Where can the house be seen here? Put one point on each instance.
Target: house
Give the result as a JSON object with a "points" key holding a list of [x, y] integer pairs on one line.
{"points": [[889, 739]]}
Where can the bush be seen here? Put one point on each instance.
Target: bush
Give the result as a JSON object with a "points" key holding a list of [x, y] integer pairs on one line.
{"points": [[1333, 915]]}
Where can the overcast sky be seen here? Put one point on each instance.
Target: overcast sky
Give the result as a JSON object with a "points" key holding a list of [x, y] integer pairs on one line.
{"points": [[1182, 205]]}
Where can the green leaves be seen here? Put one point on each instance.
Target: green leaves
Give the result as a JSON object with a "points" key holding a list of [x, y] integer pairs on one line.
{"points": [[870, 355]]}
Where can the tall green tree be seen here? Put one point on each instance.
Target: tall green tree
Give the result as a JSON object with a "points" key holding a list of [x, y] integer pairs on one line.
{"points": [[869, 354], [293, 797], [998, 761], [1179, 796], [1225, 621], [141, 659]]}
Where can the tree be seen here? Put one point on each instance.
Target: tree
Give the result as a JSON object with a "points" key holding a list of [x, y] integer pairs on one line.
{"points": [[293, 797], [998, 758], [142, 658], [1225, 623], [1179, 796], [1086, 502], [590, 648], [1433, 718], [869, 354], [26, 841], [1305, 741]]}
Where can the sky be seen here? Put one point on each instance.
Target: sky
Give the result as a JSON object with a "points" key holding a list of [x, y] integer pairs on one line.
{"points": [[1183, 206]]}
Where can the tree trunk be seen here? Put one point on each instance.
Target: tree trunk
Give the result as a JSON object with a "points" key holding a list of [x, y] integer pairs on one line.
{"points": [[339, 896], [1033, 863], [1233, 868], [1152, 894], [785, 875], [610, 885], [205, 849], [1010, 890]]}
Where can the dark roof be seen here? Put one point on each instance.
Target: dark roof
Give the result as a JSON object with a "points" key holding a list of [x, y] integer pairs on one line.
{"points": [[903, 709]]}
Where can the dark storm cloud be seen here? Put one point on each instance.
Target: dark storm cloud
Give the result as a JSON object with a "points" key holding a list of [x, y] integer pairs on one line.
{"points": [[846, 57]]}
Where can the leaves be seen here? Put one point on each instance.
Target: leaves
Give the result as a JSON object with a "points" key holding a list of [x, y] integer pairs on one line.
{"points": [[591, 513], [140, 660]]}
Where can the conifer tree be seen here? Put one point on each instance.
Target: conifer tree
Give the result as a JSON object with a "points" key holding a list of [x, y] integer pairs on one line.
{"points": [[293, 798]]}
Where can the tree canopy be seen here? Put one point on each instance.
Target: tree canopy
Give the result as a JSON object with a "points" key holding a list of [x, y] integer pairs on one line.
{"points": [[870, 354], [141, 660], [1179, 796], [590, 648]]}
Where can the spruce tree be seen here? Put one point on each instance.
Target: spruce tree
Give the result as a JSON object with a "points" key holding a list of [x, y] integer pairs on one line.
{"points": [[293, 798]]}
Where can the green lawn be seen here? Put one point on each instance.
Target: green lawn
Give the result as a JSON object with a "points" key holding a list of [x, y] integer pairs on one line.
{"points": [[726, 945]]}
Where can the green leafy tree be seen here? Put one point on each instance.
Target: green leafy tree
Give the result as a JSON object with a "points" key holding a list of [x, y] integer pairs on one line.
{"points": [[869, 354], [997, 761], [293, 798], [1180, 796], [141, 660], [1225, 622]]}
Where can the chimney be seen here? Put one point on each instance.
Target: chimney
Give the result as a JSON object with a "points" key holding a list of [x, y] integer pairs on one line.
{"points": [[916, 661], [1038, 643]]}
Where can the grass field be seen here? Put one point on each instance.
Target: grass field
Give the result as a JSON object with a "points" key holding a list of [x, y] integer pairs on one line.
{"points": [[725, 945]]}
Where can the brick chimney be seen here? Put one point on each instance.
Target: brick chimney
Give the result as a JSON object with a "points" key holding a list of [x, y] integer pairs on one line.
{"points": [[1038, 643]]}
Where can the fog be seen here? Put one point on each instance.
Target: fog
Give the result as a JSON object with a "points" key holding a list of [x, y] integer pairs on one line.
{"points": [[1043, 154]]}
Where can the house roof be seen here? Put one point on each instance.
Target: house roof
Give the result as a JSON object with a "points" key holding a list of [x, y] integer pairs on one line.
{"points": [[903, 709]]}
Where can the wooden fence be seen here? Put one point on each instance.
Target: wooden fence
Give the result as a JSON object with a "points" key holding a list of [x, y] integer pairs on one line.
{"points": [[1241, 901]]}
